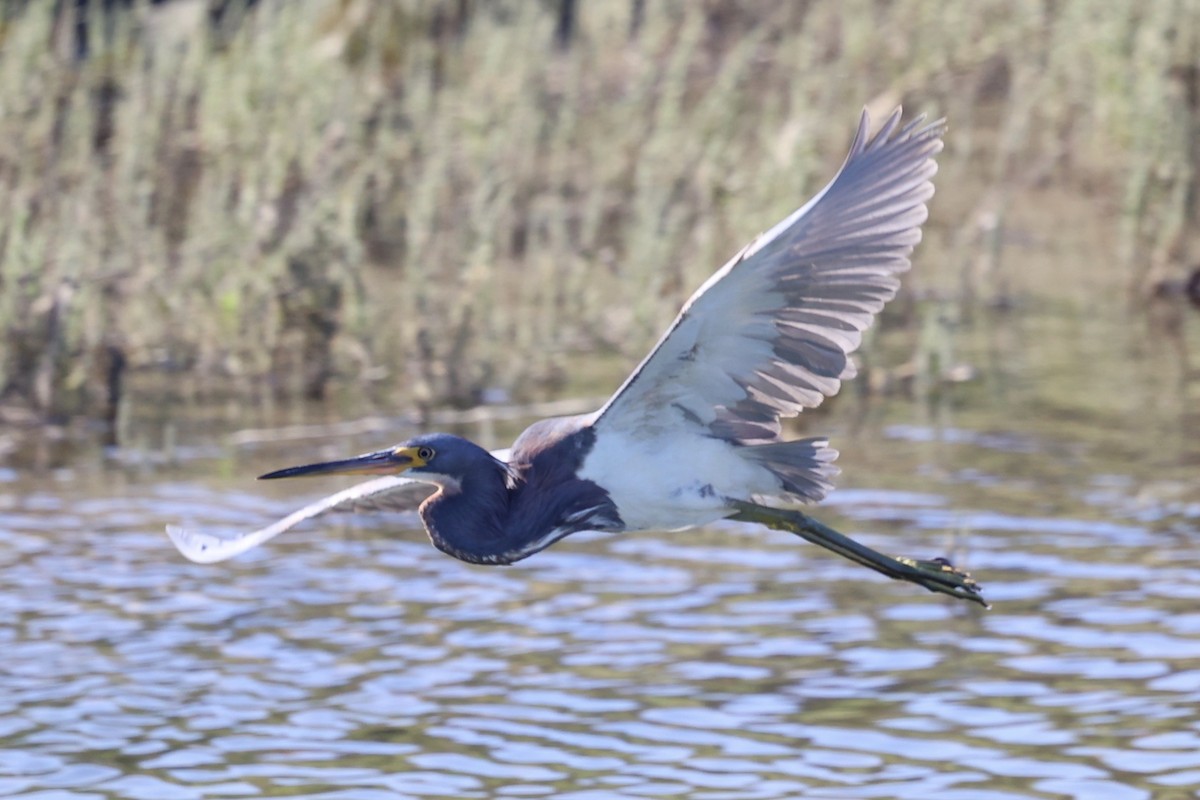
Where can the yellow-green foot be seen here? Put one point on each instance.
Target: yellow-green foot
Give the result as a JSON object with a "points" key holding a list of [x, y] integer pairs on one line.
{"points": [[936, 575]]}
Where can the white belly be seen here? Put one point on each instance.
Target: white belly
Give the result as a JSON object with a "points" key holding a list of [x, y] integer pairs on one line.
{"points": [[662, 488]]}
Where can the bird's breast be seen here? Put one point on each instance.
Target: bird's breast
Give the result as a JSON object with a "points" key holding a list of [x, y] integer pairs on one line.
{"points": [[672, 481]]}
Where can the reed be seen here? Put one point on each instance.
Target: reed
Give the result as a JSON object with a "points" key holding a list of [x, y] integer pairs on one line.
{"points": [[434, 200]]}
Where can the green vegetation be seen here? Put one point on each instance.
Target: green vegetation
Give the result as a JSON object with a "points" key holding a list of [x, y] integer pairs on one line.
{"points": [[431, 198]]}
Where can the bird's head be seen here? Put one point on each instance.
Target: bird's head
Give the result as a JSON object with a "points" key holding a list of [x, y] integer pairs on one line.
{"points": [[440, 458]]}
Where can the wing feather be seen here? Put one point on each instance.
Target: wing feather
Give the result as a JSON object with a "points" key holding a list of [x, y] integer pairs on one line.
{"points": [[771, 333], [389, 493]]}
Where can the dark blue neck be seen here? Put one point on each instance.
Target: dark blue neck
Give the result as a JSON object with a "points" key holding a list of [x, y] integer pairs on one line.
{"points": [[467, 521], [490, 518]]}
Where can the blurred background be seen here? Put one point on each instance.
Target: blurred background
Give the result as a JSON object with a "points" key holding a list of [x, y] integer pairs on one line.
{"points": [[423, 205], [238, 235]]}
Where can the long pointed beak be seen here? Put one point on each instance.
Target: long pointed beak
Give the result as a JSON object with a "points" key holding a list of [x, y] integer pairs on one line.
{"points": [[382, 462]]}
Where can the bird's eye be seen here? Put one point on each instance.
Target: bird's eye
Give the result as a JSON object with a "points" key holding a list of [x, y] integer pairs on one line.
{"points": [[425, 453]]}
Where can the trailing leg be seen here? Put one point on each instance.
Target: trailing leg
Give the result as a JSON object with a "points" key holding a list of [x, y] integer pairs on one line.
{"points": [[937, 575]]}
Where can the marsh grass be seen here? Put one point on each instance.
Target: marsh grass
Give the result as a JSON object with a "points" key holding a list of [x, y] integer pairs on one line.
{"points": [[431, 205]]}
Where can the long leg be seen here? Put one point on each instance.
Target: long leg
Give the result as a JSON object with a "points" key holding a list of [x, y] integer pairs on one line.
{"points": [[938, 575]]}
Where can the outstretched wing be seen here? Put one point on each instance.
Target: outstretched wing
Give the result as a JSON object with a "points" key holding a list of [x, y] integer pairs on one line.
{"points": [[389, 493], [771, 333]]}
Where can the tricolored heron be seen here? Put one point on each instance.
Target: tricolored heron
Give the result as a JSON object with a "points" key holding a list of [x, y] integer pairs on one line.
{"points": [[693, 435]]}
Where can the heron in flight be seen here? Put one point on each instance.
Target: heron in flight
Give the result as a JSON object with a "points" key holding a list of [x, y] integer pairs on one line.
{"points": [[693, 435]]}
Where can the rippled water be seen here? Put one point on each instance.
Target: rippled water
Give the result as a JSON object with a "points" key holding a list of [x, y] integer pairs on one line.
{"points": [[357, 662]]}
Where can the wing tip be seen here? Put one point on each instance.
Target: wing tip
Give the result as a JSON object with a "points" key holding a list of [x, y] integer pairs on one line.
{"points": [[928, 136], [195, 546], [915, 128]]}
